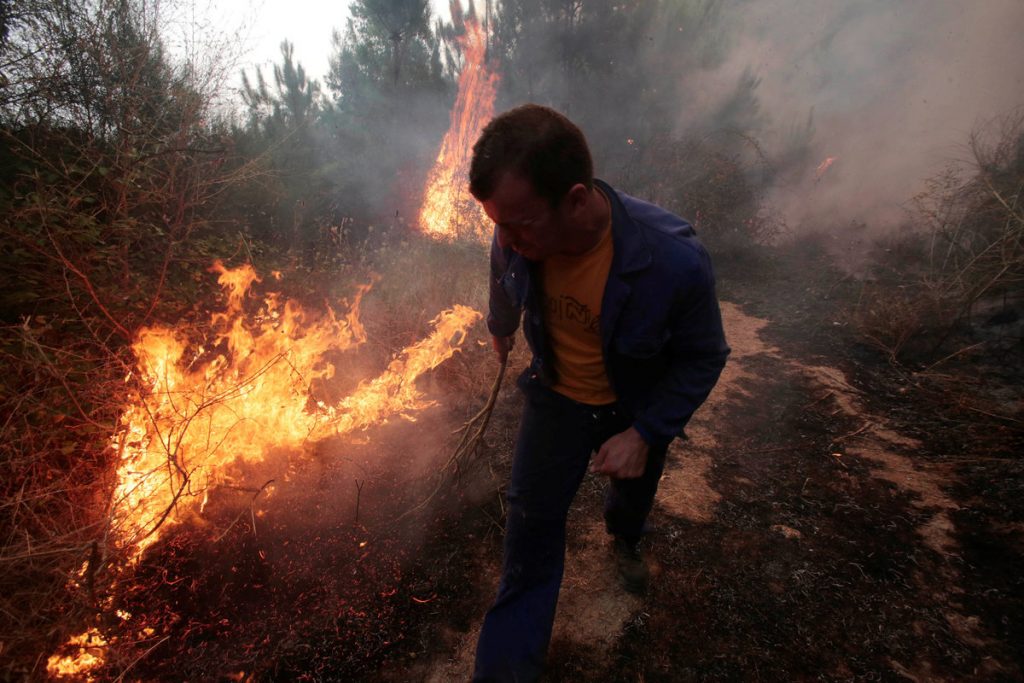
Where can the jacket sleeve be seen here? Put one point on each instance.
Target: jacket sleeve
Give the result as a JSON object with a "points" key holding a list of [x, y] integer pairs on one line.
{"points": [[697, 351], [503, 311]]}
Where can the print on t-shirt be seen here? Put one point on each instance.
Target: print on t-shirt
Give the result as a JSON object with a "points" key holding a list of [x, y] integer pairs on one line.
{"points": [[567, 308]]}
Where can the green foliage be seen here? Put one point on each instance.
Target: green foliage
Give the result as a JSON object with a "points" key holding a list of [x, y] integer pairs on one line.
{"points": [[292, 106], [390, 97], [328, 166], [280, 205], [385, 42], [110, 167]]}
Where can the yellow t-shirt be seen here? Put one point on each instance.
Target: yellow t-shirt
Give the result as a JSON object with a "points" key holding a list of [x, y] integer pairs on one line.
{"points": [[573, 287]]}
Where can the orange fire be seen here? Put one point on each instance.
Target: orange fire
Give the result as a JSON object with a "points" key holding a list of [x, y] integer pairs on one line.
{"points": [[86, 652], [203, 409], [824, 166], [448, 211]]}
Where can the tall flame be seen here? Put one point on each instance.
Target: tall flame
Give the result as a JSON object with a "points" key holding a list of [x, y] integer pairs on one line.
{"points": [[448, 211]]}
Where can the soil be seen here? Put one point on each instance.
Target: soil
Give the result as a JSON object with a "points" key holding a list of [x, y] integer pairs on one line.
{"points": [[829, 517]]}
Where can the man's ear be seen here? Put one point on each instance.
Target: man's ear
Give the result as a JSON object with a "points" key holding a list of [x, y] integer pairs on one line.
{"points": [[577, 197]]}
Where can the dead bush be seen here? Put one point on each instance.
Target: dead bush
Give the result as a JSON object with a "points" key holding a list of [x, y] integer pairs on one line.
{"points": [[963, 254], [974, 217], [898, 321]]}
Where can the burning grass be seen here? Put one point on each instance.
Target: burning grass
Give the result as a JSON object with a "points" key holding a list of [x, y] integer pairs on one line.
{"points": [[236, 429], [199, 412]]}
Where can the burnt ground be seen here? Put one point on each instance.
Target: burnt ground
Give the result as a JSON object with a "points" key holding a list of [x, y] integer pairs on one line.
{"points": [[830, 517]]}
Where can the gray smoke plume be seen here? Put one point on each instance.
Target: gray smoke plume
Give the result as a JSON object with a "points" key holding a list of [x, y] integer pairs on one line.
{"points": [[892, 88]]}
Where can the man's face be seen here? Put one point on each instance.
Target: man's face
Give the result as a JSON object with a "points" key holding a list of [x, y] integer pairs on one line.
{"points": [[524, 220]]}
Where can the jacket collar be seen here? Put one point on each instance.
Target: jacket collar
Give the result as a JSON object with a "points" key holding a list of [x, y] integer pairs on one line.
{"points": [[631, 252]]}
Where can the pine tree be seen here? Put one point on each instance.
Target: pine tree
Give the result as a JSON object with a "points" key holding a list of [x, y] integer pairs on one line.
{"points": [[391, 90], [281, 133]]}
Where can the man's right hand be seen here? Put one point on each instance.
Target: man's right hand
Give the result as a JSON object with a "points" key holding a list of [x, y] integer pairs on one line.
{"points": [[502, 345]]}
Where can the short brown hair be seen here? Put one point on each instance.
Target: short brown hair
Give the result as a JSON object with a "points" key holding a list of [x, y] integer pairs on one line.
{"points": [[537, 143]]}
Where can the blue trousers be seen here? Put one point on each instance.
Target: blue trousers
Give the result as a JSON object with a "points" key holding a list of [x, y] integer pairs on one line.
{"points": [[556, 439]]}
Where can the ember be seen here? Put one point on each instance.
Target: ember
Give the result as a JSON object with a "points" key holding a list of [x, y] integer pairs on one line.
{"points": [[824, 166], [86, 653]]}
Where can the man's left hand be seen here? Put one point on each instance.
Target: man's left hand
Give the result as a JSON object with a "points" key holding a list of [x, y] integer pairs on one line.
{"points": [[624, 456]]}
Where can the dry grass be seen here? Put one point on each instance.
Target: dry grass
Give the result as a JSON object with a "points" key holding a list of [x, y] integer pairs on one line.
{"points": [[963, 256], [896, 320], [59, 401]]}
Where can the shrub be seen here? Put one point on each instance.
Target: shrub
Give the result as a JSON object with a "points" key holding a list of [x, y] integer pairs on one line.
{"points": [[108, 167], [963, 254]]}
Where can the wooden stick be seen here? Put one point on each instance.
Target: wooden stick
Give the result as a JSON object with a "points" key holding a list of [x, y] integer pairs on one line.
{"points": [[359, 495], [472, 435]]}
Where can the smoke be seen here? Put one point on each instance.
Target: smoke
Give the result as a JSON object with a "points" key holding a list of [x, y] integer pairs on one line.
{"points": [[892, 90]]}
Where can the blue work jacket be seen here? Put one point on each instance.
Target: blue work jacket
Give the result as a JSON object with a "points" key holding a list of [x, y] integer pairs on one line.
{"points": [[661, 329]]}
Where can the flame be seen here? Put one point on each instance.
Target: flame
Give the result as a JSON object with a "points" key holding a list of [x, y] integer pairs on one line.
{"points": [[393, 392], [448, 211], [824, 166], [202, 409], [87, 653]]}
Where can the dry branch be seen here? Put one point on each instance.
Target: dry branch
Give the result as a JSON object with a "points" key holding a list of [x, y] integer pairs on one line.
{"points": [[472, 435]]}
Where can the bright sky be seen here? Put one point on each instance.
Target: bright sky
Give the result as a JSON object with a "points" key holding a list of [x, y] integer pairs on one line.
{"points": [[265, 23]]}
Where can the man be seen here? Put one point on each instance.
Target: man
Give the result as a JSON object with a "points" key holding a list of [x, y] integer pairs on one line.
{"points": [[623, 323]]}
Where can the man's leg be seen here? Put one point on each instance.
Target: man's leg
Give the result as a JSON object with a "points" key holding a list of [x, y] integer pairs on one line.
{"points": [[629, 501], [627, 504], [552, 451]]}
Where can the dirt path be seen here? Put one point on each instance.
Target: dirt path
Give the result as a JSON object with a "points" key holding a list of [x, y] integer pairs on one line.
{"points": [[796, 537]]}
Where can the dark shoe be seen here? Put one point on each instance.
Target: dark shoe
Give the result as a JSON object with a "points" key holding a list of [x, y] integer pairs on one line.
{"points": [[633, 572]]}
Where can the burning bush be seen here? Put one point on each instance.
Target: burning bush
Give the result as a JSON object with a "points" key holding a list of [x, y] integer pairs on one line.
{"points": [[224, 407]]}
